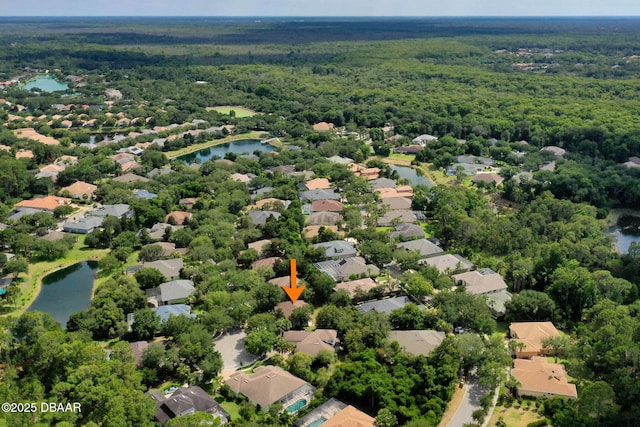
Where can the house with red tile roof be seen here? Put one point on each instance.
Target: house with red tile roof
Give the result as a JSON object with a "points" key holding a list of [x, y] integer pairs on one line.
{"points": [[539, 378], [48, 203], [326, 205], [317, 184], [178, 217], [531, 334], [80, 190]]}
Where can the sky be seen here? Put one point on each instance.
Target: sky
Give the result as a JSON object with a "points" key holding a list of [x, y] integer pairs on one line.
{"points": [[265, 8]]}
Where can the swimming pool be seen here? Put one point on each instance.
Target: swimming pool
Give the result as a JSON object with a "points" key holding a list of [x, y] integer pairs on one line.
{"points": [[297, 406], [317, 422]]}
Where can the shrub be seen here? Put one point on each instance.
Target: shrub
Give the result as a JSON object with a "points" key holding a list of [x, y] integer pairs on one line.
{"points": [[540, 423]]}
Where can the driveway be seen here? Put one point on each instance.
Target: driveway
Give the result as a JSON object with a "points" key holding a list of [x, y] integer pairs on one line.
{"points": [[470, 402], [231, 348]]}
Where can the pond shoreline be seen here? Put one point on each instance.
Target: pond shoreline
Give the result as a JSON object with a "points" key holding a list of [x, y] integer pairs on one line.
{"points": [[171, 155]]}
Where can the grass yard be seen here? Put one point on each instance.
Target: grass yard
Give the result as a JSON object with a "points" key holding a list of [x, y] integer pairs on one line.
{"points": [[515, 416], [232, 408], [399, 156], [239, 111]]}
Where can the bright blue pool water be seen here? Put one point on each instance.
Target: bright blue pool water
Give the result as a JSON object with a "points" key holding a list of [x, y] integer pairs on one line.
{"points": [[297, 406], [317, 422]]}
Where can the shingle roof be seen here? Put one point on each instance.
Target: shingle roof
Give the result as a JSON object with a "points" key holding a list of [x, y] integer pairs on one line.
{"points": [[350, 417], [260, 217], [532, 333], [385, 305], [337, 248], [482, 281], [176, 290], [312, 342], [424, 247], [538, 375], [317, 184], [266, 385], [417, 342], [365, 285], [166, 311], [452, 262], [344, 268], [49, 203]]}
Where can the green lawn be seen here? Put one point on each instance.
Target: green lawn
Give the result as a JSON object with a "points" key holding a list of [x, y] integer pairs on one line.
{"points": [[515, 416], [232, 408], [239, 111]]}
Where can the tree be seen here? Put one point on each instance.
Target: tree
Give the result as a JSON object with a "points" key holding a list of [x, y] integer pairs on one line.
{"points": [[148, 277], [150, 253], [555, 345], [530, 305], [299, 364], [197, 419], [385, 418], [15, 266], [146, 324], [597, 400], [260, 342]]}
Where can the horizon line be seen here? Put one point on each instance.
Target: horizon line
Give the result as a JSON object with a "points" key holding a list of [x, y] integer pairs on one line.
{"points": [[319, 16]]}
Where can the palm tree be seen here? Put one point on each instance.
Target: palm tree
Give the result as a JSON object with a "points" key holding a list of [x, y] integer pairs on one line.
{"points": [[512, 384]]}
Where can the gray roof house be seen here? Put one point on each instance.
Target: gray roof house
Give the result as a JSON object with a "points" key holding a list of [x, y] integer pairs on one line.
{"points": [[83, 225], [448, 263], [481, 282], [382, 183], [407, 231], [343, 269], [170, 268], [120, 210], [397, 203], [175, 291], [260, 217], [158, 229], [392, 217], [185, 401], [271, 384], [386, 305], [424, 139], [322, 194], [417, 342], [424, 247], [337, 249], [166, 311]]}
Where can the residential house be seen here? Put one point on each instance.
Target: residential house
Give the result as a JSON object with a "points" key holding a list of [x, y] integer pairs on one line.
{"points": [[164, 312], [170, 268], [272, 203], [120, 210], [324, 218], [633, 162], [258, 217], [386, 305], [340, 270], [83, 225], [20, 212], [287, 307], [365, 172], [265, 262], [188, 202], [80, 190], [408, 149], [311, 231], [156, 172], [260, 245], [267, 385], [137, 348], [158, 230], [399, 191], [144, 194], [407, 231], [323, 127], [539, 378], [424, 139], [481, 282], [397, 203], [24, 154], [382, 183], [394, 217], [423, 246], [175, 291], [354, 287], [337, 249], [130, 177], [417, 342], [178, 217], [326, 205], [340, 160], [313, 342], [48, 203], [50, 171], [531, 334], [317, 184], [242, 177], [186, 401], [334, 413], [448, 263], [322, 194], [350, 416], [488, 178], [129, 166], [557, 151], [169, 249]]}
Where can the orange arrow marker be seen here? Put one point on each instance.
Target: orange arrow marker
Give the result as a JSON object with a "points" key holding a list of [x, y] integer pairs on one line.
{"points": [[294, 291]]}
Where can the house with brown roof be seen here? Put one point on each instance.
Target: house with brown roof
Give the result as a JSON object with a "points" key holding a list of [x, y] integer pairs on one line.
{"points": [[368, 173], [324, 218], [539, 378], [311, 231], [481, 282], [531, 335], [80, 190], [287, 307], [271, 384], [323, 127], [130, 177], [399, 191], [448, 263], [260, 245], [488, 178], [417, 342], [48, 203], [33, 135], [326, 205], [272, 203], [24, 154], [355, 286], [178, 217], [350, 417], [312, 342], [334, 413], [265, 262], [129, 166], [317, 184], [188, 202]]}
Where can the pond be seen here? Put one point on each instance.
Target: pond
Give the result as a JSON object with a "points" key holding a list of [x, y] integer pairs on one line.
{"points": [[243, 146], [66, 291], [45, 83], [413, 175], [625, 232]]}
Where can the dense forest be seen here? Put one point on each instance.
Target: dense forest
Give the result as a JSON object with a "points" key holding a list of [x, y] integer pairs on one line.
{"points": [[496, 88]]}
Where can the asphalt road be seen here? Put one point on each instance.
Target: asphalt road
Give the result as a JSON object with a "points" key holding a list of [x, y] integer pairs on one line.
{"points": [[470, 402]]}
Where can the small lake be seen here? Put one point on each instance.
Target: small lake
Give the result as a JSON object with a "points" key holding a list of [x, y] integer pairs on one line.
{"points": [[243, 146], [623, 240], [66, 291], [412, 175], [45, 83]]}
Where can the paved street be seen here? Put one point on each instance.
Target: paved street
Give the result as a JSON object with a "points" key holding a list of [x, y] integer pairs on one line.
{"points": [[470, 402]]}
